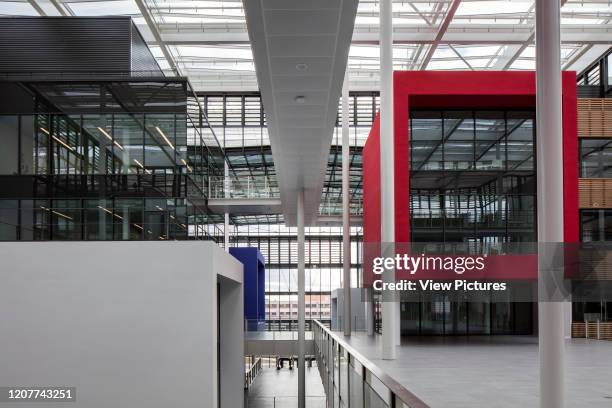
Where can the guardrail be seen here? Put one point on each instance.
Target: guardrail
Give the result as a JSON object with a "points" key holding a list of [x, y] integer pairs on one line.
{"points": [[251, 373], [283, 402], [352, 379], [241, 187], [335, 208]]}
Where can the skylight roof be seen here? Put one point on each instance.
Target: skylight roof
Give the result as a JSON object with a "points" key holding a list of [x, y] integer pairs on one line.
{"points": [[207, 41]]}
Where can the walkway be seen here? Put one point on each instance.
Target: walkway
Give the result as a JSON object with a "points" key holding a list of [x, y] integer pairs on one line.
{"points": [[278, 389], [473, 372]]}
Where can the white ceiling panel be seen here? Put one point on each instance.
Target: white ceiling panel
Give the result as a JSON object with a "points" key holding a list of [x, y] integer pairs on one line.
{"points": [[315, 45], [301, 22], [301, 52], [287, 66]]}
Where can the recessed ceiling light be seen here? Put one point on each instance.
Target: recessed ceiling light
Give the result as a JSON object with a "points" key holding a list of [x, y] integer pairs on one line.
{"points": [[302, 66], [300, 99]]}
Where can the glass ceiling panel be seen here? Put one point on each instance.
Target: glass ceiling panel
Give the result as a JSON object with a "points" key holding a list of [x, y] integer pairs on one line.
{"points": [[103, 8], [208, 40], [17, 8]]}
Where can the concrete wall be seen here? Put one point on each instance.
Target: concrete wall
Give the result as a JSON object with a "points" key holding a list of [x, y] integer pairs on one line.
{"points": [[129, 324]]}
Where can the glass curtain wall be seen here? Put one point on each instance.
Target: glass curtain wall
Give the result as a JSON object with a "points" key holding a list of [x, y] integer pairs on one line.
{"points": [[472, 178], [323, 257], [239, 122], [104, 174], [596, 158]]}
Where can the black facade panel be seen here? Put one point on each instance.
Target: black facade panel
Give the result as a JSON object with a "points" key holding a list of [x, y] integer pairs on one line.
{"points": [[142, 61], [16, 99], [589, 91], [58, 44]]}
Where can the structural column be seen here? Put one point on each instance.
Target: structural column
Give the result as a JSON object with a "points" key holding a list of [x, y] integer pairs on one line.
{"points": [[301, 301], [346, 214], [550, 200], [387, 179], [366, 293], [226, 194], [226, 234]]}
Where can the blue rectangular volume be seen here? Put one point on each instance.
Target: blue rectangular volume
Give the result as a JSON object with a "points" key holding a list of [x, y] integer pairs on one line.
{"points": [[254, 285]]}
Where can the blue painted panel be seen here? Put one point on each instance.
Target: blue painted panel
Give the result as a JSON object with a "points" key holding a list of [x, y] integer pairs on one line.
{"points": [[254, 284]]}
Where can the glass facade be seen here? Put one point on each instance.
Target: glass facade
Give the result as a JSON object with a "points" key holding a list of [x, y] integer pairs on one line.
{"points": [[323, 273], [596, 158], [472, 176], [239, 121], [448, 315], [106, 161], [596, 225], [472, 181]]}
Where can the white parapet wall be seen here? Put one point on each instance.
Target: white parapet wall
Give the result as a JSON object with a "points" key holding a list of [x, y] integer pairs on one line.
{"points": [[129, 324]]}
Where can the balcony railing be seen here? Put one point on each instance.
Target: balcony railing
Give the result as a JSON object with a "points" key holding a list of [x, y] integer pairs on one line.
{"points": [[352, 381], [242, 187], [335, 208]]}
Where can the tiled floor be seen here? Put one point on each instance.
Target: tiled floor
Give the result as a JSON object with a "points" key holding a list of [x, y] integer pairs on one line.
{"points": [[278, 389], [497, 371]]}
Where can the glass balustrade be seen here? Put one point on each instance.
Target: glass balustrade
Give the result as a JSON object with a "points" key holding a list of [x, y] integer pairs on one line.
{"points": [[352, 381]]}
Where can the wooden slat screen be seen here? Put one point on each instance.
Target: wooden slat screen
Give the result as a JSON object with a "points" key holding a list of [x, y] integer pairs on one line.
{"points": [[596, 330], [578, 330], [594, 117], [595, 193]]}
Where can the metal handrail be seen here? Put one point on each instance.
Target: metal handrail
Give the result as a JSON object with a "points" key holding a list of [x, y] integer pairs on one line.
{"points": [[397, 390], [241, 187], [251, 373]]}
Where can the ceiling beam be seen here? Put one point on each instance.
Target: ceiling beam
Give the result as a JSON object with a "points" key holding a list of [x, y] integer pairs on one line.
{"points": [[586, 48], [455, 34], [60, 8], [427, 21], [56, 3], [450, 14], [36, 7], [461, 57], [146, 14], [520, 51], [578, 55], [527, 43]]}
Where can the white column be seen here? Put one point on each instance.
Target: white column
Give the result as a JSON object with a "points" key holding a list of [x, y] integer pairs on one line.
{"points": [[346, 215], [226, 233], [567, 310], [125, 223], [102, 220], [398, 319], [226, 194], [369, 311], [301, 301], [387, 179], [549, 197]]}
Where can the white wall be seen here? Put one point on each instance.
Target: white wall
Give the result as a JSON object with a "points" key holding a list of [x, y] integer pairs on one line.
{"points": [[129, 324], [357, 310], [232, 343]]}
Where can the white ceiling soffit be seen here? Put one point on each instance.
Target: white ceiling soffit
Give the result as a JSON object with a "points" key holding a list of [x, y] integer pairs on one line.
{"points": [[300, 48]]}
